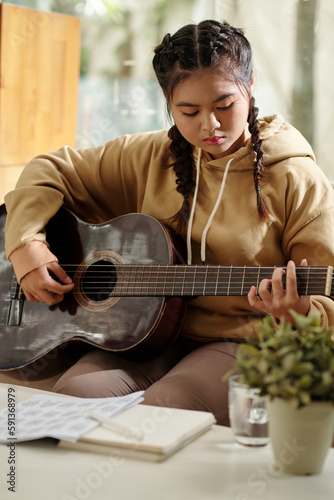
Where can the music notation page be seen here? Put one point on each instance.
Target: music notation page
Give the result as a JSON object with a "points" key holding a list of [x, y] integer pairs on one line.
{"points": [[60, 417]]}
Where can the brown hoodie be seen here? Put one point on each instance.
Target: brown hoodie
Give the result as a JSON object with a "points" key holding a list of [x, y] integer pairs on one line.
{"points": [[125, 176]]}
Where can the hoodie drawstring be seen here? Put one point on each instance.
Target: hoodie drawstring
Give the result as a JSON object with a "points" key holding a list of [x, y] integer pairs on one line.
{"points": [[190, 223], [214, 210]]}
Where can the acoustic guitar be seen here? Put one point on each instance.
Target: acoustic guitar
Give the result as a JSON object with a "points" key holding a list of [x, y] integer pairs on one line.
{"points": [[131, 289]]}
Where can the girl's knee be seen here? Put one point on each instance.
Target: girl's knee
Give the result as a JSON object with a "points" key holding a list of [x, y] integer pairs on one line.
{"points": [[171, 392], [181, 392], [73, 386]]}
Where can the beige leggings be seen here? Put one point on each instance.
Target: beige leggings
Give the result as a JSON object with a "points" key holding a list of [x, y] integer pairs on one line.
{"points": [[182, 377]]}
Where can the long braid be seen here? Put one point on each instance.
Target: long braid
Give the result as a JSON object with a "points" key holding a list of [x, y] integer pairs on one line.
{"points": [[180, 156], [254, 129], [173, 53]]}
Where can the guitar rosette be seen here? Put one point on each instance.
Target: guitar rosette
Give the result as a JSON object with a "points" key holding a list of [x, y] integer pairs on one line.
{"points": [[95, 280]]}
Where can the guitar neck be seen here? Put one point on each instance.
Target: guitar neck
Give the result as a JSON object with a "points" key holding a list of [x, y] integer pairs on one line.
{"points": [[192, 281]]}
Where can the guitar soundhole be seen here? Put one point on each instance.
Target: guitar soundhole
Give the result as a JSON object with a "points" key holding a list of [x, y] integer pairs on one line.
{"points": [[95, 280], [99, 280]]}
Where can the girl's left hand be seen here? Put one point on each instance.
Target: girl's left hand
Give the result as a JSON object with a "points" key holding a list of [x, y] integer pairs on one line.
{"points": [[279, 300]]}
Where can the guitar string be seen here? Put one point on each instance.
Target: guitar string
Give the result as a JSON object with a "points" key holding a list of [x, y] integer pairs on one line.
{"points": [[211, 268]]}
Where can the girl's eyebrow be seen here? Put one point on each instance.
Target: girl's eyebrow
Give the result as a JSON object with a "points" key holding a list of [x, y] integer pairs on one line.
{"points": [[190, 105]]}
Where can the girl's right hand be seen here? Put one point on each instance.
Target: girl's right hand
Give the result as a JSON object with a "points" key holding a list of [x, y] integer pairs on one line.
{"points": [[40, 286]]}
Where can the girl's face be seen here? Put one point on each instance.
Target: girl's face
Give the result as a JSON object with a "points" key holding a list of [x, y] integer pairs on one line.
{"points": [[211, 112]]}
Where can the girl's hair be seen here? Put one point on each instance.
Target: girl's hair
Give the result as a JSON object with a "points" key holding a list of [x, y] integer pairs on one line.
{"points": [[210, 44]]}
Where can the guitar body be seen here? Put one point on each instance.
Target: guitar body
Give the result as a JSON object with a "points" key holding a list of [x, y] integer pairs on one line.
{"points": [[127, 325]]}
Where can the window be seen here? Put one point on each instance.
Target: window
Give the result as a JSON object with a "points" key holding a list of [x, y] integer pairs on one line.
{"points": [[292, 43]]}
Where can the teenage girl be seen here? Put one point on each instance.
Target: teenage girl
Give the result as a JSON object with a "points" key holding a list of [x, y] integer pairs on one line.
{"points": [[240, 190]]}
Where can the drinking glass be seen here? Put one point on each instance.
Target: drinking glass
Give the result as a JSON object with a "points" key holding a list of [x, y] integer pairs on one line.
{"points": [[248, 414]]}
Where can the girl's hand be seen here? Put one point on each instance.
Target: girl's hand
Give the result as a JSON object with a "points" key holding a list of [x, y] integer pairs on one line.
{"points": [[278, 300], [39, 285]]}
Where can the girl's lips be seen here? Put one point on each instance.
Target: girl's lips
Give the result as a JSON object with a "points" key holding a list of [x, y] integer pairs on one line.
{"points": [[213, 141]]}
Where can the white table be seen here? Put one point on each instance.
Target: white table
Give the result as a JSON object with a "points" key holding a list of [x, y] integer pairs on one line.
{"points": [[213, 467]]}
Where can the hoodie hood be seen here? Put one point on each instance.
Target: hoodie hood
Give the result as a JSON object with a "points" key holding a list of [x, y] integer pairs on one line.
{"points": [[288, 141]]}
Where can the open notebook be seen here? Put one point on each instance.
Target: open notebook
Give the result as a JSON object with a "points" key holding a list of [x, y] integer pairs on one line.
{"points": [[155, 433]]}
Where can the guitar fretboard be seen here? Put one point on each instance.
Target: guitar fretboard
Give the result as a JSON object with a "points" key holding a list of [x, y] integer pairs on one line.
{"points": [[190, 281]]}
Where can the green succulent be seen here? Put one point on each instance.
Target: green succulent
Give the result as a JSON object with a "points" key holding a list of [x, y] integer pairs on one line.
{"points": [[295, 363]]}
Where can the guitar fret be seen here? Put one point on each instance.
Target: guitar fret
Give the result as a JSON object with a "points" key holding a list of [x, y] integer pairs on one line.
{"points": [[174, 280], [217, 280], [169, 280], [205, 281], [229, 281], [258, 279], [194, 281], [178, 281], [184, 280], [189, 280], [164, 285], [235, 277], [210, 280], [198, 281], [243, 281], [307, 281], [167, 277]]}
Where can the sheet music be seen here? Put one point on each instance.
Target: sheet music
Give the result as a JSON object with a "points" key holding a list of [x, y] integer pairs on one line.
{"points": [[60, 417]]}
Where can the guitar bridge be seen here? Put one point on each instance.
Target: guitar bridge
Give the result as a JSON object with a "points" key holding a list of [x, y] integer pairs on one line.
{"points": [[16, 304]]}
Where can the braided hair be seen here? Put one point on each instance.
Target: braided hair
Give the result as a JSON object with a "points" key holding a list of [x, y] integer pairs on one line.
{"points": [[194, 47]]}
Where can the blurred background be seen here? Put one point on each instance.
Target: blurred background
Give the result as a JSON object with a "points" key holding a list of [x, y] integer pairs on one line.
{"points": [[293, 46]]}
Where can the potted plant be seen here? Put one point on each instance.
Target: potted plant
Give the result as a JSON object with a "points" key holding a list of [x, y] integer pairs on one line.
{"points": [[293, 366]]}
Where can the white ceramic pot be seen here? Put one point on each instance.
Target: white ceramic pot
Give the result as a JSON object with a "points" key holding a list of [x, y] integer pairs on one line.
{"points": [[300, 437]]}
